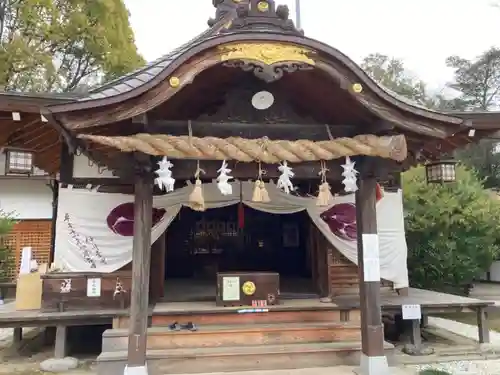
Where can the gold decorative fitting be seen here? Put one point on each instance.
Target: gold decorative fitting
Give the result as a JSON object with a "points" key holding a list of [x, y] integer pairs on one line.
{"points": [[266, 53], [174, 82], [263, 6], [357, 88], [249, 288]]}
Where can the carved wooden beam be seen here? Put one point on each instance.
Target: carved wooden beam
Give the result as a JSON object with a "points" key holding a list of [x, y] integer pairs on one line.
{"points": [[315, 132]]}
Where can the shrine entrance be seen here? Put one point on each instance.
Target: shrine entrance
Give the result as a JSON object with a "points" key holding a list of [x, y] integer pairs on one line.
{"points": [[236, 239]]}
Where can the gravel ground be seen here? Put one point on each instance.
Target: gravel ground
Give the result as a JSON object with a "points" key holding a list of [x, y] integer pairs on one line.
{"points": [[465, 367], [6, 333]]}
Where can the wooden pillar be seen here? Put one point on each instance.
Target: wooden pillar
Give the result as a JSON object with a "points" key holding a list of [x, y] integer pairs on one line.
{"points": [[482, 325], [373, 360], [157, 278], [141, 259], [162, 249]]}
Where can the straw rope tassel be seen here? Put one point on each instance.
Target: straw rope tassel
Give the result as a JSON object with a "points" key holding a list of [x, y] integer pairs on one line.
{"points": [[325, 196], [196, 199], [264, 193], [257, 195], [260, 193]]}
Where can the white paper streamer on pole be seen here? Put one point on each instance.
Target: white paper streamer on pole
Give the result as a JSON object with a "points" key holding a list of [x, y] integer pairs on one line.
{"points": [[349, 175], [223, 179], [165, 179], [284, 181]]}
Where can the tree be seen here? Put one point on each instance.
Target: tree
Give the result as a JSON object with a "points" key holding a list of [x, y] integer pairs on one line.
{"points": [[6, 260], [478, 84], [58, 45], [391, 74], [451, 229], [477, 81]]}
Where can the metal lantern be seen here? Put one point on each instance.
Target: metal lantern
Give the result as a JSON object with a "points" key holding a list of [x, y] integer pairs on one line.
{"points": [[441, 171]]}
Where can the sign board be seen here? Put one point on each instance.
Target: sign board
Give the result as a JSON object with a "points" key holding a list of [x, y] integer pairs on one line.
{"points": [[230, 288], [25, 261], [371, 257], [411, 312], [94, 287]]}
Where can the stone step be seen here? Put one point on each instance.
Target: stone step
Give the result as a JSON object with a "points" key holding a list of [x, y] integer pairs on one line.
{"points": [[240, 358], [237, 335]]}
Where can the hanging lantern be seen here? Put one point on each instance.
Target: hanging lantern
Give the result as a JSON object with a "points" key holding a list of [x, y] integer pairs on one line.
{"points": [[18, 161], [441, 171]]}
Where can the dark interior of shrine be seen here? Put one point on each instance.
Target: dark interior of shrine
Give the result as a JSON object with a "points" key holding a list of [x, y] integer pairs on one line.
{"points": [[236, 239]]}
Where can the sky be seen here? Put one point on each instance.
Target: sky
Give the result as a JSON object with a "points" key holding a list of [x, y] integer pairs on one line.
{"points": [[420, 32]]}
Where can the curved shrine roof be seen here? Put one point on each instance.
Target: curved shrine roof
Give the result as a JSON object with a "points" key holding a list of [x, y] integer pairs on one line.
{"points": [[234, 20]]}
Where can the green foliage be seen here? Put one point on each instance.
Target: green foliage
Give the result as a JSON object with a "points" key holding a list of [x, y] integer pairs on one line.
{"points": [[434, 372], [7, 222], [451, 229], [61, 45], [483, 158], [391, 73], [476, 84]]}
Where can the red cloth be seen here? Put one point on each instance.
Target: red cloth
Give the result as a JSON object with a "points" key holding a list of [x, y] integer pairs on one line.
{"points": [[241, 216], [379, 192]]}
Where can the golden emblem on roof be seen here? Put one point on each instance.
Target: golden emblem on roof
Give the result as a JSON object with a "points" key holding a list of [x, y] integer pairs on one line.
{"points": [[266, 53]]}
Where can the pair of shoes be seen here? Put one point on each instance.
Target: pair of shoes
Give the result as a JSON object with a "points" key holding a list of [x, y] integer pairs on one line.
{"points": [[190, 326], [175, 327]]}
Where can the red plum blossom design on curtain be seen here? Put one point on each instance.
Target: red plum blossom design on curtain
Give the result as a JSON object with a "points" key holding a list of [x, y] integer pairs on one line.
{"points": [[341, 218], [121, 219]]}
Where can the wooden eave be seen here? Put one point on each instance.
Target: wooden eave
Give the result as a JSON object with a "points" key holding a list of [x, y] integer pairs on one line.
{"points": [[483, 120], [32, 102], [427, 122], [32, 133]]}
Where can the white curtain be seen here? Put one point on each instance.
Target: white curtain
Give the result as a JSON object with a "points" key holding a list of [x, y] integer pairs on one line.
{"points": [[86, 242]]}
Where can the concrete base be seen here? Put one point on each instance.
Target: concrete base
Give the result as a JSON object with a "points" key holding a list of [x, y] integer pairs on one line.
{"points": [[59, 364], [138, 370], [373, 365]]}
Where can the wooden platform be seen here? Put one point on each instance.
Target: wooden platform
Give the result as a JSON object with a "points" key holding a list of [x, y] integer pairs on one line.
{"points": [[430, 302], [12, 318]]}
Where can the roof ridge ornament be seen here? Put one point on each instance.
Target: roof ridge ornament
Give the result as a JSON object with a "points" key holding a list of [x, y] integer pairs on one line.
{"points": [[255, 15], [223, 7]]}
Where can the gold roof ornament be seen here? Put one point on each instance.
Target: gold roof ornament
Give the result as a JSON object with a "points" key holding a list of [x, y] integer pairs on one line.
{"points": [[266, 53]]}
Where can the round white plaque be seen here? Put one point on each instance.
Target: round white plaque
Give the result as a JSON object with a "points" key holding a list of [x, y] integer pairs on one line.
{"points": [[262, 100]]}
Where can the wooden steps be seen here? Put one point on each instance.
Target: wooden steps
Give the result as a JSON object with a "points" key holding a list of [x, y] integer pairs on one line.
{"points": [[231, 341], [237, 335], [270, 317], [232, 317], [239, 358]]}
